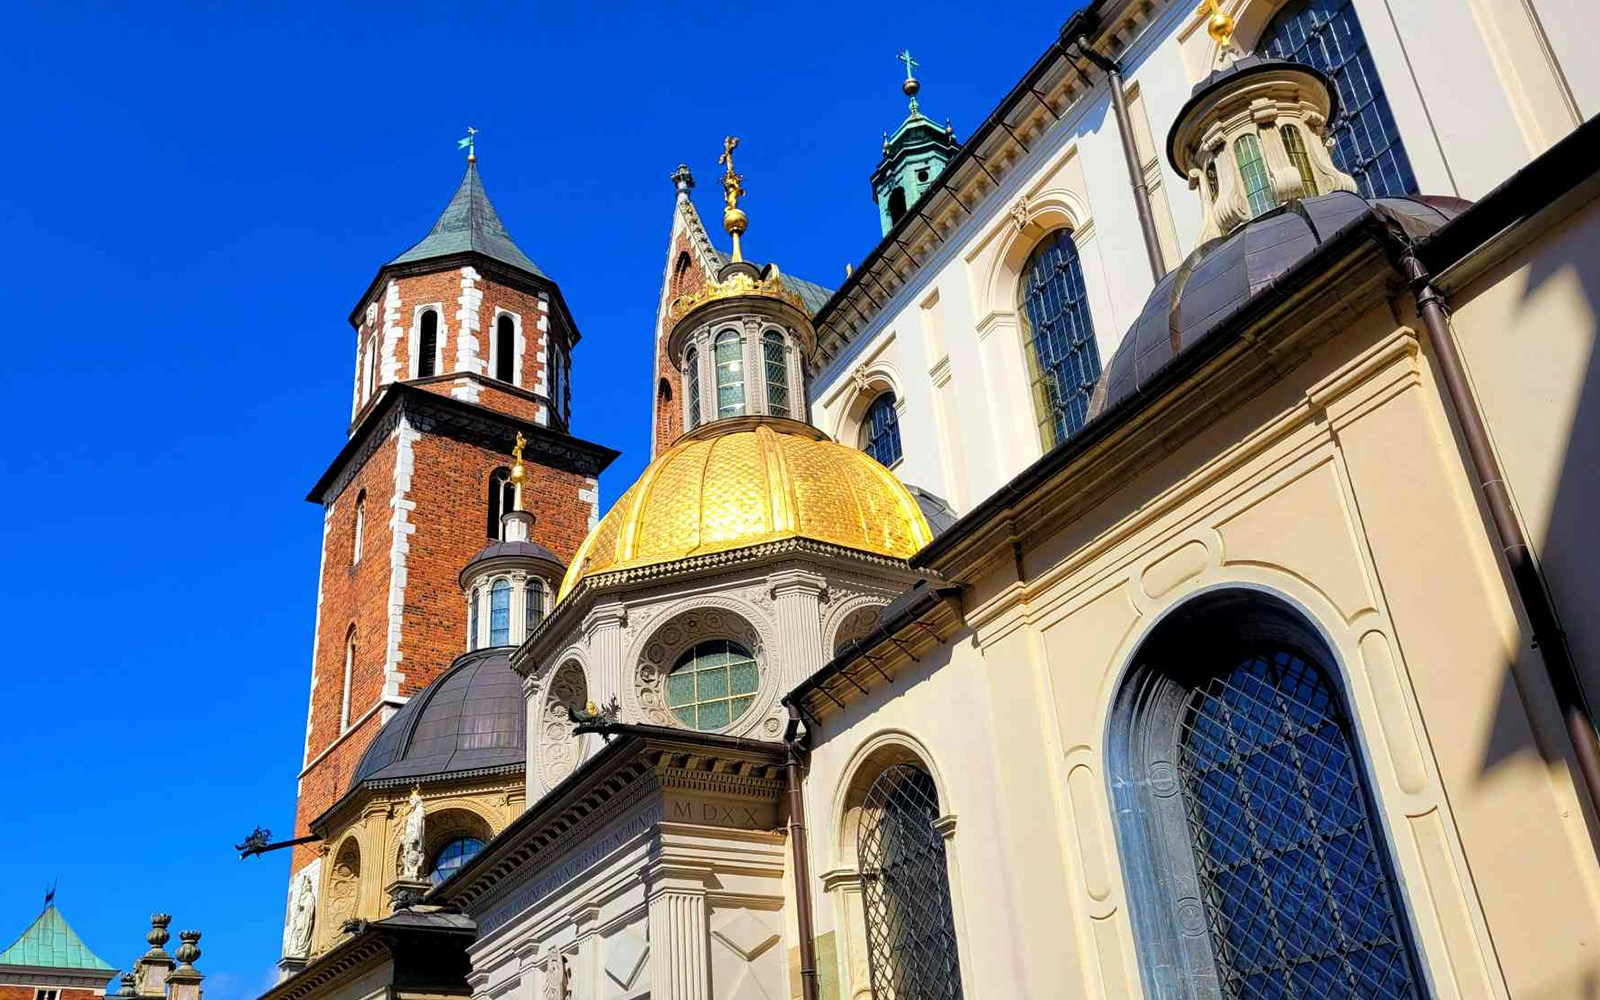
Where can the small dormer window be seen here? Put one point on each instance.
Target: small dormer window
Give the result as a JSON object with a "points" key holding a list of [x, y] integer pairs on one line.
{"points": [[1296, 148], [472, 619], [775, 357], [1257, 185], [533, 596], [500, 613], [691, 370]]}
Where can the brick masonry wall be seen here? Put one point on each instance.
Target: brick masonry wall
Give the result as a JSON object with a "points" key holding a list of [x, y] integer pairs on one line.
{"points": [[669, 403], [446, 510], [9, 992], [468, 307]]}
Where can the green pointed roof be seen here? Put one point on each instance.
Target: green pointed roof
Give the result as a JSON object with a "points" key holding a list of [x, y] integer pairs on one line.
{"points": [[50, 943], [470, 223]]}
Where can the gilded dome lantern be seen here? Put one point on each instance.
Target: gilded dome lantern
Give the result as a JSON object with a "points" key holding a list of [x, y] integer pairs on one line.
{"points": [[1252, 135]]}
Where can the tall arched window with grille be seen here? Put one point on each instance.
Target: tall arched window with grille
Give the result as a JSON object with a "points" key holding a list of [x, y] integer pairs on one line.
{"points": [[500, 613], [427, 343], [775, 357], [880, 429], [730, 374], [905, 884], [1063, 359], [1327, 35], [533, 601], [691, 372], [505, 348], [1254, 855], [502, 496]]}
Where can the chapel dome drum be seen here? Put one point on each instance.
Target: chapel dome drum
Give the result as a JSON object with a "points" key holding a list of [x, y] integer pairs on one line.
{"points": [[741, 482]]}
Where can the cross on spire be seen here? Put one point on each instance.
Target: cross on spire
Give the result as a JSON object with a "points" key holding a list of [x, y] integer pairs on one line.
{"points": [[905, 57], [910, 86]]}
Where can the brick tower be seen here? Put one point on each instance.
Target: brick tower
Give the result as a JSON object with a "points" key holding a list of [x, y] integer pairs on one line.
{"points": [[462, 343]]}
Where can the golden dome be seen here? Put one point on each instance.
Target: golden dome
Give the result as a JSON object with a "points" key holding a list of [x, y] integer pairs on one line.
{"points": [[741, 482]]}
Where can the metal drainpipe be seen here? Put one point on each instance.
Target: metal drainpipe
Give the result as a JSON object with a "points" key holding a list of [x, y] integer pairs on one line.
{"points": [[802, 866], [1130, 153], [1548, 637]]}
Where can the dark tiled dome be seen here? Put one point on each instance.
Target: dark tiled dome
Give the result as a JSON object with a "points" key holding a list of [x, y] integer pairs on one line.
{"points": [[512, 550], [1224, 273], [472, 718]]}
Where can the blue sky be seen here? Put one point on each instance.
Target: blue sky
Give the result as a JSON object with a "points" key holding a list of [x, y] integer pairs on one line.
{"points": [[194, 198]]}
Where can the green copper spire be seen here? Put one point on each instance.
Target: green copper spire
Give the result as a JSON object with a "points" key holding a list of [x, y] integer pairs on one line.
{"points": [[912, 157], [51, 944], [470, 222]]}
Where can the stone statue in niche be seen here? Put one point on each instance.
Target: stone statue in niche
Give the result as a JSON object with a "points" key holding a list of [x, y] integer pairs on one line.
{"points": [[302, 918], [412, 858], [557, 978]]}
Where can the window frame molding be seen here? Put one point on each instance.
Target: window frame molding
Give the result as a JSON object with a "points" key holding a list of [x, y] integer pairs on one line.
{"points": [[519, 347], [414, 339]]}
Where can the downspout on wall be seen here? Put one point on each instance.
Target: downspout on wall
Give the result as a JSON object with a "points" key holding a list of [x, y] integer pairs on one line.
{"points": [[795, 744], [1130, 151]]}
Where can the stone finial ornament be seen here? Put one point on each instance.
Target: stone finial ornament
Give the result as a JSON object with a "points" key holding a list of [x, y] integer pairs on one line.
{"points": [[158, 936]]}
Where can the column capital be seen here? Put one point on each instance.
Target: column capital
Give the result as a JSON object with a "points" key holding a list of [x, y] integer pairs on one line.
{"points": [[797, 581]]}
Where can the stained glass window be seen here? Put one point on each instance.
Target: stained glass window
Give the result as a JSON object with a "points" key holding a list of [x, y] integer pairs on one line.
{"points": [[905, 884], [453, 856], [1325, 34], [691, 368], [533, 604], [500, 613], [880, 430], [1063, 360], [1295, 146], [775, 355], [730, 374], [713, 685], [1257, 185], [1295, 884]]}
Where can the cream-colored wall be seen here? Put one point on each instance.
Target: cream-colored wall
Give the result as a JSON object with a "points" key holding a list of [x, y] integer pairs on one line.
{"points": [[1339, 489], [1477, 87], [1527, 330]]}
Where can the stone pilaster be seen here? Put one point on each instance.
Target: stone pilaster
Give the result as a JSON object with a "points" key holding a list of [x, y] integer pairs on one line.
{"points": [[797, 604], [607, 672], [680, 965]]}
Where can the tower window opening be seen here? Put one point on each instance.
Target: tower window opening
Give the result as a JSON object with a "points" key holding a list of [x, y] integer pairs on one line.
{"points": [[505, 348], [427, 344], [359, 529], [922, 176], [1063, 359], [500, 613], [1257, 185], [775, 356], [502, 496], [730, 374], [349, 676], [897, 205], [691, 371], [880, 430], [680, 268]]}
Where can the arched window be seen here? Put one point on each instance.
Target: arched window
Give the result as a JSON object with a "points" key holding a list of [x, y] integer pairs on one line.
{"points": [[1257, 185], [1063, 360], [880, 429], [776, 357], [691, 372], [712, 685], [558, 383], [369, 368], [905, 885], [897, 205], [1254, 855], [730, 374], [472, 619], [502, 497], [505, 348], [500, 613], [1295, 146], [349, 678], [452, 856], [359, 531], [681, 268], [533, 605], [1366, 142], [427, 344]]}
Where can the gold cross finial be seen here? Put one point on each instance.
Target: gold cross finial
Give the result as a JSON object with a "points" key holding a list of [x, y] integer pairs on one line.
{"points": [[733, 218], [519, 472], [1219, 23]]}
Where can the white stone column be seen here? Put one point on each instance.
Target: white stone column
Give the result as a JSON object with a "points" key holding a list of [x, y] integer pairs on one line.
{"points": [[680, 930], [797, 602]]}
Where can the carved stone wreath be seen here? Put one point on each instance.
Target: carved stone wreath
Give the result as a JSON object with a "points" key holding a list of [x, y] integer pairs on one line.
{"points": [[558, 747]]}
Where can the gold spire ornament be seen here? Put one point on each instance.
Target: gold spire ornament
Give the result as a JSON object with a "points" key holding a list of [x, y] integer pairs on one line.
{"points": [[733, 218], [1219, 24], [519, 472]]}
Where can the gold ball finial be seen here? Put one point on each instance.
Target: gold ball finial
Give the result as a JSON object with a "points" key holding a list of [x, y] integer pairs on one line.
{"points": [[911, 86], [1219, 23]]}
